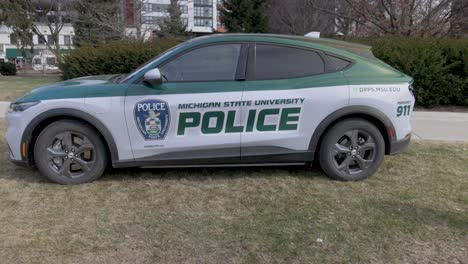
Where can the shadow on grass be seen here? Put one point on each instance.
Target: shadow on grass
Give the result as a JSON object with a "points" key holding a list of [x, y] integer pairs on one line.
{"points": [[412, 217], [30, 175], [210, 173]]}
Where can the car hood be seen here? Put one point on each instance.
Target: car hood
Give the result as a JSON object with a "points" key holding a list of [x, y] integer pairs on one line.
{"points": [[91, 86]]}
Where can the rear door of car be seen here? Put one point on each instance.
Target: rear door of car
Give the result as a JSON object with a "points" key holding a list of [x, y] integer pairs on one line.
{"points": [[183, 121], [291, 90]]}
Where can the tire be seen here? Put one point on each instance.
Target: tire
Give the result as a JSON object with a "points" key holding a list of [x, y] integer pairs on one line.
{"points": [[351, 150], [70, 152]]}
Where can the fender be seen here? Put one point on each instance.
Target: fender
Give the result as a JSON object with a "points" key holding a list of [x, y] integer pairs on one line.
{"points": [[349, 111], [67, 113]]}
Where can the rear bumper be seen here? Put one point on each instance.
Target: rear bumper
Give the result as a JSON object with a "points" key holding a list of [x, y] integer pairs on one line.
{"points": [[399, 146]]}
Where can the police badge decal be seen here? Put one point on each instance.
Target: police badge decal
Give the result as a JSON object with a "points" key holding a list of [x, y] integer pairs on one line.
{"points": [[152, 118]]}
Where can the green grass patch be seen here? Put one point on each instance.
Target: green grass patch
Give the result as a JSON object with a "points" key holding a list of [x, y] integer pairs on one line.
{"points": [[13, 87], [414, 210]]}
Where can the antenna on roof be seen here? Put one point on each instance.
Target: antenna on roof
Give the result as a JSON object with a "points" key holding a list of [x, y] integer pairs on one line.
{"points": [[313, 34]]}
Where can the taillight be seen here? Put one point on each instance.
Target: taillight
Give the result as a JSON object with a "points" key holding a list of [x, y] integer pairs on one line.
{"points": [[411, 89]]}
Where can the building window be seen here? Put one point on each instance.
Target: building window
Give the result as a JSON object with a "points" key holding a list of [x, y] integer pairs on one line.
{"points": [[147, 20], [67, 40], [203, 22], [41, 39], [203, 2], [184, 21], [162, 8], [148, 8], [184, 9], [151, 20], [50, 39], [203, 12]]}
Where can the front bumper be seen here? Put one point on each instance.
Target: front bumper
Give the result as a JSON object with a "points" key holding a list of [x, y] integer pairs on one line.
{"points": [[13, 136], [399, 146], [21, 163]]}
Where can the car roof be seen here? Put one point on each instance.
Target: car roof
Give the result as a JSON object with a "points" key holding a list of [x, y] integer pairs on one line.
{"points": [[355, 48]]}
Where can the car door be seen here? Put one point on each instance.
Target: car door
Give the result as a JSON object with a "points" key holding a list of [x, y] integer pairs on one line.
{"points": [[291, 90], [183, 120]]}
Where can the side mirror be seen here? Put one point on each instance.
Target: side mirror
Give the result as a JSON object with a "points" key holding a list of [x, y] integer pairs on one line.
{"points": [[153, 77]]}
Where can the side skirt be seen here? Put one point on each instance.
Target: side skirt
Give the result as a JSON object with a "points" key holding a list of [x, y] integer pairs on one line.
{"points": [[258, 156], [226, 165]]}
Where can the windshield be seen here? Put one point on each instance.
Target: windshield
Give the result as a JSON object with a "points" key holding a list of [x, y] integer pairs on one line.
{"points": [[125, 77]]}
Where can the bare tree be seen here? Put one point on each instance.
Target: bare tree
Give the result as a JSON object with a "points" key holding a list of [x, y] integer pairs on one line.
{"points": [[347, 21], [140, 9], [117, 19], [422, 18], [300, 16], [26, 16], [460, 25], [12, 16], [97, 22], [113, 19]]}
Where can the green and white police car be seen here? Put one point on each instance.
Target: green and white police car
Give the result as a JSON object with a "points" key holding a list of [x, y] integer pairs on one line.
{"points": [[221, 100]]}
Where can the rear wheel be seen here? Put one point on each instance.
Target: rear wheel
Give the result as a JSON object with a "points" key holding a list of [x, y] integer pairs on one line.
{"points": [[70, 152], [352, 150]]}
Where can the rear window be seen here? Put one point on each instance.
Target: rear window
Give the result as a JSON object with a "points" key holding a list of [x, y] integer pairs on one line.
{"points": [[337, 64], [282, 62]]}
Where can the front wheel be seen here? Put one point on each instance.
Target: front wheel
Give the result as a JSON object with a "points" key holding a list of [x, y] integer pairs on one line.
{"points": [[352, 150], [70, 152]]}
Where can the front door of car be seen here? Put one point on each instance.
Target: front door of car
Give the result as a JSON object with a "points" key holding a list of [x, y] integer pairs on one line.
{"points": [[291, 90], [184, 120]]}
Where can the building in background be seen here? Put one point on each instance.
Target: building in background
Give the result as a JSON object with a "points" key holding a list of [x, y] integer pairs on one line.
{"points": [[200, 16], [219, 26], [28, 57]]}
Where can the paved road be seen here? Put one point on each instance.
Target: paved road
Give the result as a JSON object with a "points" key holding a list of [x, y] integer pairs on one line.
{"points": [[3, 108], [443, 126], [440, 126]]}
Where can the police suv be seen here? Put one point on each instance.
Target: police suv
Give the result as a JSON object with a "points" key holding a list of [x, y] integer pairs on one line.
{"points": [[221, 100]]}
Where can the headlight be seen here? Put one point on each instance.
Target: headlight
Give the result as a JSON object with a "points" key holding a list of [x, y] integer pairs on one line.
{"points": [[20, 107]]}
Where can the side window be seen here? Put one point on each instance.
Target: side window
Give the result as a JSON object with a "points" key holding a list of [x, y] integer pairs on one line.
{"points": [[281, 62], [209, 63], [336, 64]]}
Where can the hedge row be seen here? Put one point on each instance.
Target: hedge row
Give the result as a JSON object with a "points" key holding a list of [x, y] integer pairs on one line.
{"points": [[7, 68], [439, 66], [111, 58]]}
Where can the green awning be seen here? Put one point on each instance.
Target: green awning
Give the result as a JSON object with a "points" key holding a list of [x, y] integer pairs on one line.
{"points": [[11, 53], [15, 53]]}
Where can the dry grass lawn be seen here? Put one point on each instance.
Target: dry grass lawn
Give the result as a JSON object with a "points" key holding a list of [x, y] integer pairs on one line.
{"points": [[13, 87], [414, 210]]}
